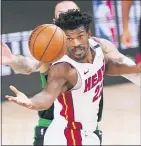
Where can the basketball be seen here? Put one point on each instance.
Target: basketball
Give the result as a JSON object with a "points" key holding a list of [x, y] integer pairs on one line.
{"points": [[47, 43]]}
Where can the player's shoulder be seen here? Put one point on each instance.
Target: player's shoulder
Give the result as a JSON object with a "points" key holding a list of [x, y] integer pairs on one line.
{"points": [[60, 69], [106, 45], [100, 40], [96, 39]]}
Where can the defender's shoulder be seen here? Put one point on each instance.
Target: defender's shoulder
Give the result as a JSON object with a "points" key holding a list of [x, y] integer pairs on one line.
{"points": [[95, 39]]}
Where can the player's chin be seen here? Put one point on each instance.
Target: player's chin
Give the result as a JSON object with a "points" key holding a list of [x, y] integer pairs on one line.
{"points": [[79, 57]]}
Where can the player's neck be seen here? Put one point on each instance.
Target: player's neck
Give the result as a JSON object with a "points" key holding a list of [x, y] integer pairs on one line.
{"points": [[89, 57]]}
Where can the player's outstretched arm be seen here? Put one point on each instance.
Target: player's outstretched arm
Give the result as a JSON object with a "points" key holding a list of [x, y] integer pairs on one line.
{"points": [[115, 68], [58, 76], [112, 51], [113, 54], [21, 64], [117, 63], [109, 48]]}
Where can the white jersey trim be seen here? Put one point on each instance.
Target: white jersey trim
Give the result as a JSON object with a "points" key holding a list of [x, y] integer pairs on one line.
{"points": [[79, 82]]}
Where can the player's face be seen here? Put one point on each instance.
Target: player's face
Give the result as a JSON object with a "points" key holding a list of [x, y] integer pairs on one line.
{"points": [[77, 42]]}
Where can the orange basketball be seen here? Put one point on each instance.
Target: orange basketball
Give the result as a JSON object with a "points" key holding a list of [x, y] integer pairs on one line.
{"points": [[47, 43]]}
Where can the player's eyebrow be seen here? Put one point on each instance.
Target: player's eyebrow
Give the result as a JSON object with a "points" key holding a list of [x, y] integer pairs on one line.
{"points": [[75, 32]]}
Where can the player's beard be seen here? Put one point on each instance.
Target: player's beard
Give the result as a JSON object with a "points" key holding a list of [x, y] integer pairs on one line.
{"points": [[82, 58]]}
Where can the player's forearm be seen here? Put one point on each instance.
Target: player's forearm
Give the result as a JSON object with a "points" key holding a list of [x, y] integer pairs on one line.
{"points": [[45, 98], [126, 6], [134, 78], [117, 69], [41, 101], [112, 52], [115, 55], [24, 65]]}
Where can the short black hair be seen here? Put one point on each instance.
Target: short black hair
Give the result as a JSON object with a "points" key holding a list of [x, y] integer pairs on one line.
{"points": [[72, 19]]}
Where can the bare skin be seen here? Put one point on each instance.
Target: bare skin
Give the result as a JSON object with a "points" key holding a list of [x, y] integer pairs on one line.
{"points": [[27, 65], [63, 77], [19, 63], [126, 36]]}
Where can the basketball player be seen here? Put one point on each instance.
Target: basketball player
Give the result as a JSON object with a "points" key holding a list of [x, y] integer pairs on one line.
{"points": [[27, 65], [126, 35], [47, 116], [77, 80]]}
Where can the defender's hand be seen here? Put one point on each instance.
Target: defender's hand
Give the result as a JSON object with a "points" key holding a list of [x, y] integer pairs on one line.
{"points": [[6, 54], [20, 98]]}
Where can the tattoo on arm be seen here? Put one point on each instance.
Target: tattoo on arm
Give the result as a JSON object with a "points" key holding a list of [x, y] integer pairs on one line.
{"points": [[25, 65]]}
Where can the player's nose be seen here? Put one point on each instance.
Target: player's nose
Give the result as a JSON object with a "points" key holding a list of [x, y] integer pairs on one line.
{"points": [[76, 43]]}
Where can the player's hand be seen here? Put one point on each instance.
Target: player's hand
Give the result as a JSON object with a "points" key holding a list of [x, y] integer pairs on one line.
{"points": [[126, 38], [6, 54], [20, 98]]}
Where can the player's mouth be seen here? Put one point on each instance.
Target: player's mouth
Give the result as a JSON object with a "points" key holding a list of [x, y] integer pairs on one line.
{"points": [[79, 54]]}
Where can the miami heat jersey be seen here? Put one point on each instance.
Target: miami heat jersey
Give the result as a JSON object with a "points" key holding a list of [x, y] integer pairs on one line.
{"points": [[78, 108]]}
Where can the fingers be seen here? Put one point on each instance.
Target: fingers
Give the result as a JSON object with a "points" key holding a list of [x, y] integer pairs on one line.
{"points": [[15, 100], [2, 43], [9, 97], [14, 90]]}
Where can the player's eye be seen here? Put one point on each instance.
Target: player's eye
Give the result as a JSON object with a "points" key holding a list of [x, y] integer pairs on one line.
{"points": [[69, 39], [80, 36]]}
